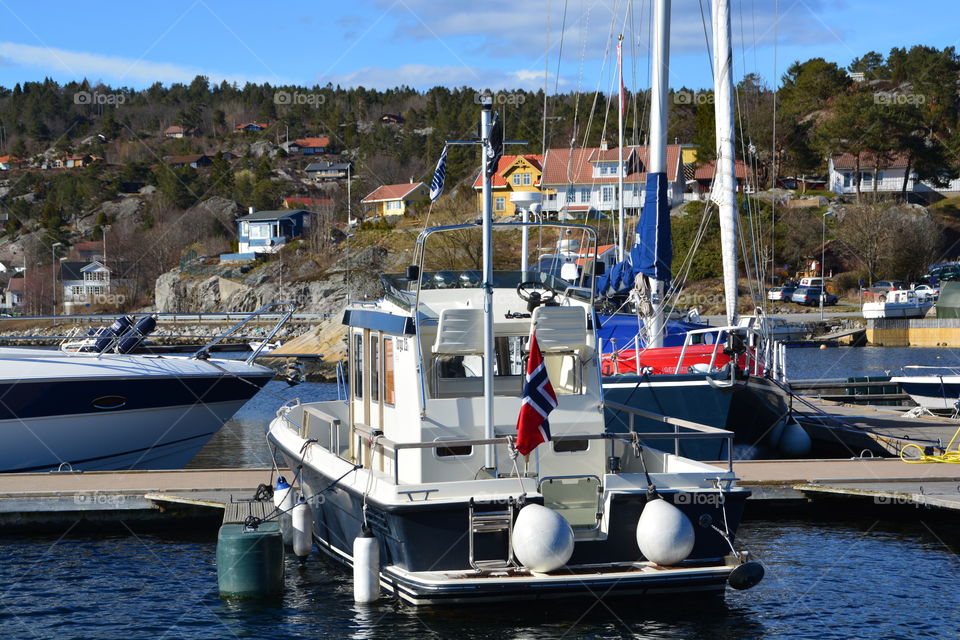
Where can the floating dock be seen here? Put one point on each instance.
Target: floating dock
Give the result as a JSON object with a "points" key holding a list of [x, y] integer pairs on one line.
{"points": [[202, 499]]}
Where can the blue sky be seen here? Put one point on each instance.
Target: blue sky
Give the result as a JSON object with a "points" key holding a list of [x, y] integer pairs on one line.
{"points": [[500, 44]]}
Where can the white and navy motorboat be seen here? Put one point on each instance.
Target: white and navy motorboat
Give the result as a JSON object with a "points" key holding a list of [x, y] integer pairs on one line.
{"points": [[934, 388], [470, 461], [94, 406]]}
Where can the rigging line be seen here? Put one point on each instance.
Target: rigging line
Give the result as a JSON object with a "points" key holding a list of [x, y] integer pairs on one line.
{"points": [[546, 82], [706, 38], [773, 150], [563, 28]]}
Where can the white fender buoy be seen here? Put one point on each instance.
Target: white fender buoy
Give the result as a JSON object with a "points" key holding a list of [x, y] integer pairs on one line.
{"points": [[302, 529], [795, 441], [542, 539], [366, 568], [776, 432], [283, 503], [664, 533]]}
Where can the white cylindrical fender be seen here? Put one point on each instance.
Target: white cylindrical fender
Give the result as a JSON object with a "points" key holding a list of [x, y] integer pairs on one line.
{"points": [[795, 442], [302, 529], [542, 539], [283, 503], [366, 568], [664, 533]]}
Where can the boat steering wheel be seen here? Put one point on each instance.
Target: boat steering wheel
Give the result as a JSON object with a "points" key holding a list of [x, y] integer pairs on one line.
{"points": [[536, 293]]}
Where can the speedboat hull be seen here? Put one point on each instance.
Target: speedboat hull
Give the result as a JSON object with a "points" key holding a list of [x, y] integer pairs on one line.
{"points": [[936, 393], [115, 412]]}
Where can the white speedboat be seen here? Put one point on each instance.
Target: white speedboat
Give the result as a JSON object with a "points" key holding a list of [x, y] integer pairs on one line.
{"points": [[425, 464], [93, 410], [898, 303], [935, 388]]}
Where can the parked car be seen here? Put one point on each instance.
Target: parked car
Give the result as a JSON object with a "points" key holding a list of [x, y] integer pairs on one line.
{"points": [[927, 291], [810, 296], [881, 287], [780, 293]]}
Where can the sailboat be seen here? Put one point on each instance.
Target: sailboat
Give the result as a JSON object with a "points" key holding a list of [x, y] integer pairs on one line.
{"points": [[432, 482], [716, 376]]}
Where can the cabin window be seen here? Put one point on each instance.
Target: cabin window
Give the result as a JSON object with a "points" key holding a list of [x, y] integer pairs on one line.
{"points": [[585, 194], [516, 179], [570, 446], [500, 204], [607, 194], [374, 369], [526, 179], [389, 392], [846, 179], [358, 365], [453, 450]]}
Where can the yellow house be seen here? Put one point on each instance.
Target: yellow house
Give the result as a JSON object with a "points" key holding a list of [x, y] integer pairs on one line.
{"points": [[514, 173], [396, 199]]}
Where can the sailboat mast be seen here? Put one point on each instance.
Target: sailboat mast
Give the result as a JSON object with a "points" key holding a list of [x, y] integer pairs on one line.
{"points": [[725, 182], [657, 151], [486, 123], [621, 222]]}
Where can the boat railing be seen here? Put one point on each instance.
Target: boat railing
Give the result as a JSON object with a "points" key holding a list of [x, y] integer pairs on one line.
{"points": [[204, 351], [952, 369], [332, 433]]}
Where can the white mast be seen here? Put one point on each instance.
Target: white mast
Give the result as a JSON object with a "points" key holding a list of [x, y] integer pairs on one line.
{"points": [[725, 181], [486, 123], [657, 156], [620, 228]]}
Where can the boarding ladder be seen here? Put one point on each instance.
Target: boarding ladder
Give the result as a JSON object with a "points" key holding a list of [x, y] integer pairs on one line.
{"points": [[497, 519]]}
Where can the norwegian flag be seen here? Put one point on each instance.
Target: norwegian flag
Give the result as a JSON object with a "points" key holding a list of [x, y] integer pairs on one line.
{"points": [[538, 401]]}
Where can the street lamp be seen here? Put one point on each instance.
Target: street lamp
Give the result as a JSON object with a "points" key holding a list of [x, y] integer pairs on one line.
{"points": [[53, 275], [823, 251]]}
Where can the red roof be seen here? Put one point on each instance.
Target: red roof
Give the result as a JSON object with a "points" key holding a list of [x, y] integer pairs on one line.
{"points": [[313, 142], [392, 192], [16, 284], [308, 202], [707, 170], [9, 159], [174, 128], [88, 245], [498, 179], [575, 166], [867, 159]]}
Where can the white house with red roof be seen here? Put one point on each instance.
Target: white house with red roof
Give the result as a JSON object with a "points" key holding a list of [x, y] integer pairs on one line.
{"points": [[397, 199], [843, 169], [583, 180], [514, 174]]}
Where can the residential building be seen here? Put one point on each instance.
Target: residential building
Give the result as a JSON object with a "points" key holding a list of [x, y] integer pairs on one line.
{"points": [[577, 182], [175, 131], [84, 283], [325, 170], [889, 177], [250, 127], [703, 176], [195, 160], [10, 162], [13, 296], [74, 161], [269, 231], [514, 173], [391, 118], [397, 199], [88, 250], [312, 146]]}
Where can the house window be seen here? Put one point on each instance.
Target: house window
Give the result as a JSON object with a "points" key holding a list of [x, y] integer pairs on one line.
{"points": [[259, 231], [846, 179], [516, 179], [96, 276], [394, 205], [551, 196], [879, 176], [571, 194], [245, 229], [866, 178], [606, 193], [389, 392], [76, 290], [585, 194], [500, 203], [526, 179]]}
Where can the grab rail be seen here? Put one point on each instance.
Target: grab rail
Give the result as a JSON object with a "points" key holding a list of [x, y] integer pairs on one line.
{"points": [[204, 351]]}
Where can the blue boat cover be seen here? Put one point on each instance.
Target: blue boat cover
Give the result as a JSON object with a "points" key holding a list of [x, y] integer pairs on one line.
{"points": [[622, 327]]}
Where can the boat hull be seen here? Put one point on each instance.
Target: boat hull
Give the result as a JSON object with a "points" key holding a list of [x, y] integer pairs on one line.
{"points": [[424, 547], [936, 393], [751, 409], [110, 424]]}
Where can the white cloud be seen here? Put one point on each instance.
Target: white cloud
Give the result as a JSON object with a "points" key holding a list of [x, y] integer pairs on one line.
{"points": [[79, 64], [421, 76]]}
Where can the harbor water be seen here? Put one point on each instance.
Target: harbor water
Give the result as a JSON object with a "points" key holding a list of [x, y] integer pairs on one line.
{"points": [[883, 576]]}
